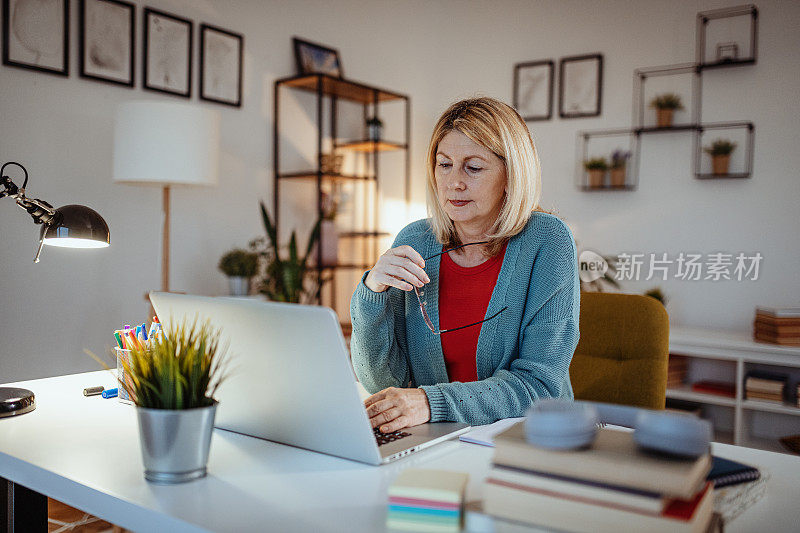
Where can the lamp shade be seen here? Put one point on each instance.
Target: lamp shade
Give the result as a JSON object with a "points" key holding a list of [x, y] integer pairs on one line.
{"points": [[165, 143], [76, 226]]}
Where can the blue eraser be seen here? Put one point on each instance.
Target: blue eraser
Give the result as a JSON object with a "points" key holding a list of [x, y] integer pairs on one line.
{"points": [[109, 393]]}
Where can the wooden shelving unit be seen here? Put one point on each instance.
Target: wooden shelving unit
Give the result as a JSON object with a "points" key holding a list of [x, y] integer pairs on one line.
{"points": [[739, 350], [328, 88]]}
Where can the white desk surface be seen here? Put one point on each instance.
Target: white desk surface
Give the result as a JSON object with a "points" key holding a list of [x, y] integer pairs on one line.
{"points": [[85, 452]]}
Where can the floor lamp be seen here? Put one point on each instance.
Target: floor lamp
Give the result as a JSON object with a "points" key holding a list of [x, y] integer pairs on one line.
{"points": [[166, 144]]}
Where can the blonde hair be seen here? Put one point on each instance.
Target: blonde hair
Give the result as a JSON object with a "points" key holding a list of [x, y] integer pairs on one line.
{"points": [[497, 127]]}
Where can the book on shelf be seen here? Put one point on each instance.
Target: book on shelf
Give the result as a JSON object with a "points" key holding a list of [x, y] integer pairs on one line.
{"points": [[764, 385], [573, 513], [776, 322], [772, 398], [719, 388], [778, 312], [768, 328], [613, 459], [783, 341]]}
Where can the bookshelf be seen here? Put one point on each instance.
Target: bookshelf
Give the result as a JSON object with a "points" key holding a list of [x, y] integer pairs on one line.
{"points": [[735, 353]]}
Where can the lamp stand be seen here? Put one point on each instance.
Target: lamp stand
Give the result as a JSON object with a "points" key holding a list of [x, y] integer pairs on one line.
{"points": [[165, 241]]}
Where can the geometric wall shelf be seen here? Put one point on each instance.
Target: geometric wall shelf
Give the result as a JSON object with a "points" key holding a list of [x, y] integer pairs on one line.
{"points": [[741, 165]]}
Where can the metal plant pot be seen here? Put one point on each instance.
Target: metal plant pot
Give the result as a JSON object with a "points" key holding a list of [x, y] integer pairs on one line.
{"points": [[239, 286], [175, 443]]}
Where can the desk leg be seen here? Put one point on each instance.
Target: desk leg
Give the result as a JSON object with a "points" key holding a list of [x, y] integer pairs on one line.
{"points": [[21, 509]]}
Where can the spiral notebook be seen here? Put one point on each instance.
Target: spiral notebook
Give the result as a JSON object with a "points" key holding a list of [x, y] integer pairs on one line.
{"points": [[725, 472]]}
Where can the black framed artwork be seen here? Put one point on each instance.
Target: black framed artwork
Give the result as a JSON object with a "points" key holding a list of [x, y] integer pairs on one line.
{"points": [[580, 86], [167, 57], [221, 54], [533, 89], [313, 58], [107, 29], [36, 35]]}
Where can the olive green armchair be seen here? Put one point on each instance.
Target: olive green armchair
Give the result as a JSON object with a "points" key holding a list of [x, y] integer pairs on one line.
{"points": [[623, 349]]}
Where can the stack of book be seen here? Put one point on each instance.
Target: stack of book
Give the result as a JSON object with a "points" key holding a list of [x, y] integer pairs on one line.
{"points": [[611, 486], [777, 325], [427, 500], [719, 388], [676, 371], [765, 386]]}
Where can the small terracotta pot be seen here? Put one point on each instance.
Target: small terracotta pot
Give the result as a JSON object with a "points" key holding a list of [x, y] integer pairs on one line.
{"points": [[664, 117], [596, 177], [618, 177], [720, 164]]}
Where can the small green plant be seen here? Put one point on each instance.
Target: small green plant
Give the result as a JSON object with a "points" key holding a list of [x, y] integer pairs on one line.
{"points": [[596, 163], [181, 369], [239, 263], [658, 294], [284, 280], [720, 147], [667, 101]]}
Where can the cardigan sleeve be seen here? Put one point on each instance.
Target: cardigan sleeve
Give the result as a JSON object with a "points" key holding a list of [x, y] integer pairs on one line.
{"points": [[548, 335], [378, 343]]}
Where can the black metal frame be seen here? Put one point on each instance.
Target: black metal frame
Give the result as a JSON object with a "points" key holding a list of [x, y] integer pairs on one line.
{"points": [[6, 44], [550, 86], [371, 108], [721, 126], [703, 19], [82, 43], [207, 27], [634, 145], [563, 61], [297, 43], [145, 51], [640, 78]]}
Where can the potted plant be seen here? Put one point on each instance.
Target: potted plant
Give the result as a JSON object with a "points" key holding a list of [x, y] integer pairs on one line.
{"points": [[619, 161], [374, 129], [665, 104], [720, 152], [240, 266], [172, 381], [596, 168], [285, 280]]}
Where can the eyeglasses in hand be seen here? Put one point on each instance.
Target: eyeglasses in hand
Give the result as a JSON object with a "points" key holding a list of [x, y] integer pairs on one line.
{"points": [[423, 303]]}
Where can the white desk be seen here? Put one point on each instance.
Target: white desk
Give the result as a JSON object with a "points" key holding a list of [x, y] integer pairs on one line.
{"points": [[85, 452]]}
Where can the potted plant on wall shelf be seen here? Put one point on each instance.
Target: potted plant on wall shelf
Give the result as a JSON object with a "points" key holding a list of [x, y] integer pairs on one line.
{"points": [[172, 381], [596, 167], [665, 105], [286, 280], [619, 162], [374, 129], [720, 152], [240, 266]]}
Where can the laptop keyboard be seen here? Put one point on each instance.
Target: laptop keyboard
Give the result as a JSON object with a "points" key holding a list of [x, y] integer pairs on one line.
{"points": [[386, 438]]}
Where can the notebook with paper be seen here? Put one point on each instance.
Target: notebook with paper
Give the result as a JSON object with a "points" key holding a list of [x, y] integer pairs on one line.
{"points": [[291, 379]]}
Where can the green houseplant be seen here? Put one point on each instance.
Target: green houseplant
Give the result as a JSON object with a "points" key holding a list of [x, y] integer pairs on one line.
{"points": [[172, 380], [286, 280], [665, 105], [240, 266], [720, 152], [596, 167]]}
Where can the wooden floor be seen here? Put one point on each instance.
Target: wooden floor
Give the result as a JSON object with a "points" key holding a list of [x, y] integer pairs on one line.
{"points": [[63, 518]]}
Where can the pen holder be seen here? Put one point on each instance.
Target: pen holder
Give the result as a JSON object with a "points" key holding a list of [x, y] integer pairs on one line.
{"points": [[125, 355]]}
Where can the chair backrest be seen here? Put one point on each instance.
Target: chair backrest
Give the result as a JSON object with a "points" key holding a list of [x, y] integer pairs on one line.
{"points": [[623, 349]]}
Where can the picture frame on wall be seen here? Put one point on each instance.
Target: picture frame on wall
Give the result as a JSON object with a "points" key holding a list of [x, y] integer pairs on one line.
{"points": [[221, 53], [36, 35], [533, 89], [167, 53], [107, 40], [313, 58], [580, 86]]}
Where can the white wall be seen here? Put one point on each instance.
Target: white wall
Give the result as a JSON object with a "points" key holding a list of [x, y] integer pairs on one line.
{"points": [[436, 52]]}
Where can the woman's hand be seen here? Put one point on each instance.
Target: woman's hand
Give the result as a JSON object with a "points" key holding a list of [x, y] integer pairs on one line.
{"points": [[394, 409], [400, 267]]}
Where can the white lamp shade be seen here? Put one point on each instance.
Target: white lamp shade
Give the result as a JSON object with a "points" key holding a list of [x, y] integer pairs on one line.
{"points": [[166, 144]]}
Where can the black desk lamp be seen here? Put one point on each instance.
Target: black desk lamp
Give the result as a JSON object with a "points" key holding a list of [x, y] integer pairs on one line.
{"points": [[71, 226]]}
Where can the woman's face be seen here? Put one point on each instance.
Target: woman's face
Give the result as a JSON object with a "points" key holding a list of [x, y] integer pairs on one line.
{"points": [[470, 180]]}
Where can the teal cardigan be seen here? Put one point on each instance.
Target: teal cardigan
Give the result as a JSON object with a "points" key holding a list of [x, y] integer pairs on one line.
{"points": [[523, 354]]}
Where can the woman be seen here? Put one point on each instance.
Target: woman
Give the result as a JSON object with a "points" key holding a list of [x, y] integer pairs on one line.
{"points": [[496, 321]]}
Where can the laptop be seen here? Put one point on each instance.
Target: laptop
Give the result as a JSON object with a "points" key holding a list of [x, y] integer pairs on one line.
{"points": [[291, 380]]}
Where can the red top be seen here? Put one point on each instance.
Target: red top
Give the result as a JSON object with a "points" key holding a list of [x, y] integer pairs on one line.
{"points": [[464, 294]]}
